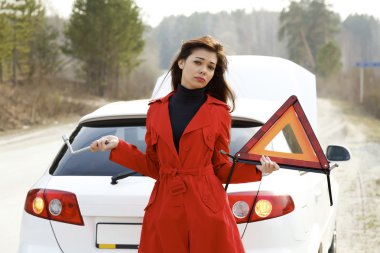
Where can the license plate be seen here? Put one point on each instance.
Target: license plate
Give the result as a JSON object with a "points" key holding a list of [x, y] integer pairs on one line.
{"points": [[118, 235]]}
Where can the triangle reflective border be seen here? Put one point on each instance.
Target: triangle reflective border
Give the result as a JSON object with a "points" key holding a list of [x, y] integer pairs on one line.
{"points": [[288, 125]]}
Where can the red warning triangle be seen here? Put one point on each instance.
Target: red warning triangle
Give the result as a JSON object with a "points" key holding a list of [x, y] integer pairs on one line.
{"points": [[290, 126]]}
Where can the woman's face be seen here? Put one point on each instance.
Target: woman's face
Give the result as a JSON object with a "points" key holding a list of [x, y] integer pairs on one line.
{"points": [[198, 69]]}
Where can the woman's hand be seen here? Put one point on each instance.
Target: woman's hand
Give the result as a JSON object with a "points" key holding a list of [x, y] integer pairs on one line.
{"points": [[267, 166], [105, 143]]}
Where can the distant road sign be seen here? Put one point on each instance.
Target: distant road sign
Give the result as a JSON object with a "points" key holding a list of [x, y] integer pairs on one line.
{"points": [[368, 64]]}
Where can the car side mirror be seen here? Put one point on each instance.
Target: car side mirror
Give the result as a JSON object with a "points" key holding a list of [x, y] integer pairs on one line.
{"points": [[337, 153]]}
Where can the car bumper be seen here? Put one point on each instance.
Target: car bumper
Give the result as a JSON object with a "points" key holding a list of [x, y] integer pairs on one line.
{"points": [[284, 236]]}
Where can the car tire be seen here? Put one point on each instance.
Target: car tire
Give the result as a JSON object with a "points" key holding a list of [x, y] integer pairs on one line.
{"points": [[332, 248]]}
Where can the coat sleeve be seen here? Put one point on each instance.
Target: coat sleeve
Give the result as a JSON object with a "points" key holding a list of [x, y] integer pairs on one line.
{"points": [[222, 165], [130, 156]]}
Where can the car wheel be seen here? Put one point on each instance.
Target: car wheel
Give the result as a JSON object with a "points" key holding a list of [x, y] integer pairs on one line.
{"points": [[332, 248]]}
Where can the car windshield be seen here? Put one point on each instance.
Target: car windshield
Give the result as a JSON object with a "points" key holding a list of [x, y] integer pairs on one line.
{"points": [[98, 163]]}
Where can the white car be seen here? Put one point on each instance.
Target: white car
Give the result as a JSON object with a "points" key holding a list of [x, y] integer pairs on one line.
{"points": [[86, 203]]}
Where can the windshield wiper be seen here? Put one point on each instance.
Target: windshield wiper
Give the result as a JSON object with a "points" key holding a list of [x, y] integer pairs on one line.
{"points": [[117, 177]]}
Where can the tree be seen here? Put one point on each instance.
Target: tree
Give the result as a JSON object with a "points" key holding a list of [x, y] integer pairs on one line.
{"points": [[19, 21], [5, 42], [328, 60], [293, 29], [240, 32], [107, 37], [44, 54], [307, 26], [323, 25], [362, 38]]}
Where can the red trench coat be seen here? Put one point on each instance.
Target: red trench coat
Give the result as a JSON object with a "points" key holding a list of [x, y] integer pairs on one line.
{"points": [[188, 209]]}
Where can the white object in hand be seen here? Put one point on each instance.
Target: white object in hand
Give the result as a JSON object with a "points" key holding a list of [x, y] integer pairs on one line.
{"points": [[66, 140]]}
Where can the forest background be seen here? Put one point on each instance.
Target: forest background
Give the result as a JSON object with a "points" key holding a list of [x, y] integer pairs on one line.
{"points": [[52, 68]]}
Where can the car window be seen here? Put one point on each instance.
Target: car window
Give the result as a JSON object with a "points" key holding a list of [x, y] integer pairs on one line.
{"points": [[98, 163]]}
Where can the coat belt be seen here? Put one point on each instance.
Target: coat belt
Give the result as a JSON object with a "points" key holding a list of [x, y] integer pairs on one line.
{"points": [[199, 171]]}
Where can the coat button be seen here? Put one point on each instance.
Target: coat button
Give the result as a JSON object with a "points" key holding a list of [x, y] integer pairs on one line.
{"points": [[186, 148], [204, 198], [209, 137]]}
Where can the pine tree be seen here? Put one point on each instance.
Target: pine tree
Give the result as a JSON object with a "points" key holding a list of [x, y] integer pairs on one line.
{"points": [[328, 60], [293, 29], [45, 52], [309, 26], [19, 20], [107, 37], [5, 42]]}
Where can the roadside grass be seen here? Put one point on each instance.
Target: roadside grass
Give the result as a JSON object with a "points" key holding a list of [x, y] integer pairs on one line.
{"points": [[24, 107], [372, 222]]}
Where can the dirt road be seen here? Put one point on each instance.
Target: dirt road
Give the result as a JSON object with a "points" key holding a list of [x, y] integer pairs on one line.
{"points": [[358, 223], [25, 156]]}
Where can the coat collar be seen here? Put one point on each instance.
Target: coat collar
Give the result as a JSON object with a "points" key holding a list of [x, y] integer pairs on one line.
{"points": [[200, 120], [210, 99]]}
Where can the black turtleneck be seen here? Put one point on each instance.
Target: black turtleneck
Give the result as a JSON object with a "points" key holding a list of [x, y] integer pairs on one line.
{"points": [[183, 105]]}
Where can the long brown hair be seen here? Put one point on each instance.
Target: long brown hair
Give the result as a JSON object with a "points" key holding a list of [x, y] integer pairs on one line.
{"points": [[218, 86]]}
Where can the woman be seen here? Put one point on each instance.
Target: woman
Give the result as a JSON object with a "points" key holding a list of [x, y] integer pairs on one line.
{"points": [[188, 209]]}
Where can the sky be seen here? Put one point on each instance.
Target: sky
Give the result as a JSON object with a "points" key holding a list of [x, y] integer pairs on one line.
{"points": [[153, 11]]}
